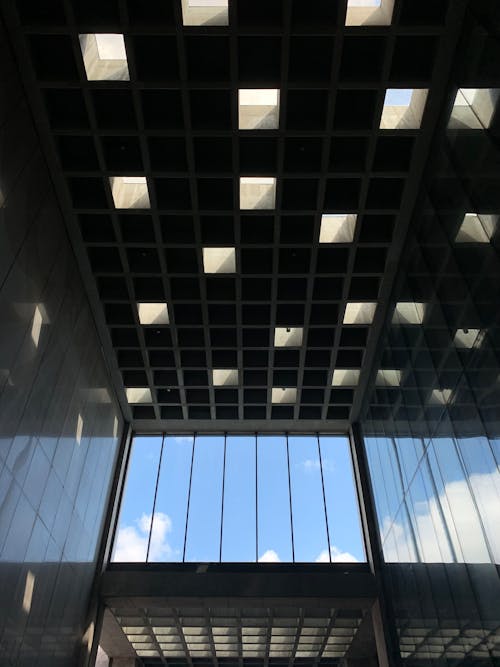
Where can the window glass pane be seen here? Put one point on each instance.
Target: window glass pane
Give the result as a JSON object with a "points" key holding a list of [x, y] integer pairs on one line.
{"points": [[274, 531], [132, 535], [399, 545], [239, 529], [484, 479], [203, 534], [454, 490], [410, 451], [378, 484], [346, 542], [427, 517], [309, 521], [169, 521], [386, 480]]}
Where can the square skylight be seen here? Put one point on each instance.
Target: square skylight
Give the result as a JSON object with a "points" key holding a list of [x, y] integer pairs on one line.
{"points": [[467, 338], [403, 108], [337, 227], [477, 228], [79, 429], [225, 377], [288, 336], [284, 395], [258, 109], [440, 396], [388, 377], [130, 191], [138, 395], [153, 313], [39, 319], [104, 57], [345, 377], [473, 108], [369, 12], [359, 312], [219, 260], [409, 312], [257, 192], [205, 12]]}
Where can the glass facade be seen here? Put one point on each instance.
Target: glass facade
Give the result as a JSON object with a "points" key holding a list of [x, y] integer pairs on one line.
{"points": [[438, 499], [234, 498], [432, 438], [59, 423]]}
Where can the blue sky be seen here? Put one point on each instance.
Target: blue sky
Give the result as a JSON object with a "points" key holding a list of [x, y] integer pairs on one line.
{"points": [[256, 520]]}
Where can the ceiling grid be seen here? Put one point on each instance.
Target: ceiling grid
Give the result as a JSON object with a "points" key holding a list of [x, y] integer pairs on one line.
{"points": [[176, 123]]}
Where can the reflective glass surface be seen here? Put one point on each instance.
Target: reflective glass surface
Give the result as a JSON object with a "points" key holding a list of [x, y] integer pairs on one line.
{"points": [[432, 441]]}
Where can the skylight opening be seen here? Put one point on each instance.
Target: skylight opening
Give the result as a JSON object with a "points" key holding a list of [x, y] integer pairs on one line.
{"points": [[29, 586], [225, 377], [288, 336], [473, 108], [337, 227], [130, 191], [138, 395], [467, 338], [345, 377], [219, 260], [79, 429], [258, 109], [39, 319], [104, 57], [388, 377], [257, 192], [205, 12], [409, 312], [369, 12], [153, 313], [403, 108], [359, 312], [441, 396], [283, 395], [477, 228]]}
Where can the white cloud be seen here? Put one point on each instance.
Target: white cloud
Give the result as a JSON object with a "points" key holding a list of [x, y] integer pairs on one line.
{"points": [[311, 465], [132, 541], [270, 556], [337, 556]]}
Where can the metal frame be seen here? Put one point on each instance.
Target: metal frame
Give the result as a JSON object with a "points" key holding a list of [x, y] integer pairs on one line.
{"points": [[384, 628], [96, 608]]}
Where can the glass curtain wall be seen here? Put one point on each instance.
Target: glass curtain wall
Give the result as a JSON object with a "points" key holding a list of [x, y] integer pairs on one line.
{"points": [[232, 498], [432, 433]]}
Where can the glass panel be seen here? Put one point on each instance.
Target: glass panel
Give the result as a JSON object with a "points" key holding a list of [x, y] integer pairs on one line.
{"points": [[346, 542], [239, 529], [410, 451], [309, 520], [274, 530], [386, 480], [169, 521], [131, 542], [399, 544], [191, 477], [456, 491], [484, 479], [204, 520], [427, 517]]}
